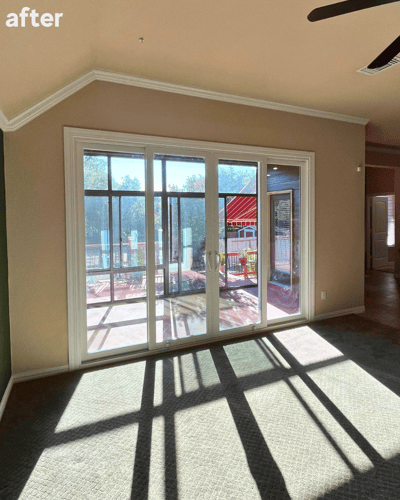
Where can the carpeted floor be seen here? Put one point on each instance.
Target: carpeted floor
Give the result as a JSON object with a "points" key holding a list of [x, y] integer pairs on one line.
{"points": [[305, 413]]}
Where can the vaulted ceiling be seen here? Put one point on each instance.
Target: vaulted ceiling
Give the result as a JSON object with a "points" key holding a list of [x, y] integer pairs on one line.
{"points": [[265, 49]]}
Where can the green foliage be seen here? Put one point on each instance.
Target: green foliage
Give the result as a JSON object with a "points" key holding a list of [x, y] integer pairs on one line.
{"points": [[96, 208], [232, 178], [128, 184], [95, 172], [195, 184]]}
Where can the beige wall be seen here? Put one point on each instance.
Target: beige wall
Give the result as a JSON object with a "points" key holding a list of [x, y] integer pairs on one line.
{"points": [[35, 197], [379, 180]]}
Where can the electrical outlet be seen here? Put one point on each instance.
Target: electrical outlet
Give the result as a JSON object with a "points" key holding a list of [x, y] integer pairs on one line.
{"points": [[323, 295]]}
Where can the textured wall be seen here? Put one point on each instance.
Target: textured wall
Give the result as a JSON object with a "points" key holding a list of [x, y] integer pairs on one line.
{"points": [[5, 354], [35, 196]]}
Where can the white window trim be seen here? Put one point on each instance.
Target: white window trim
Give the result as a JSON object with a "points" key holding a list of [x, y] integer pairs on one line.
{"points": [[77, 140]]}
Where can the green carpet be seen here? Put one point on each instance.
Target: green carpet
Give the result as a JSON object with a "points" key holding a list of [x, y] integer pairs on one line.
{"points": [[304, 413]]}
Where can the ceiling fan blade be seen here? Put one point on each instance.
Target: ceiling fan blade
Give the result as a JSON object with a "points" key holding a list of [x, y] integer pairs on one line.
{"points": [[337, 9], [387, 55]]}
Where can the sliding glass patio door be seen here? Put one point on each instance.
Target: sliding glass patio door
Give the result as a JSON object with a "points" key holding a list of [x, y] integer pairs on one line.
{"points": [[212, 249], [187, 245]]}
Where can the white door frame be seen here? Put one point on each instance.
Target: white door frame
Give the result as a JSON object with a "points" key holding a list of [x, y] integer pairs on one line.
{"points": [[380, 240], [77, 140]]}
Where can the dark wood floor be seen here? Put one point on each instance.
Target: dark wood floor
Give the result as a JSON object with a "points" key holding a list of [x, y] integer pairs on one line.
{"points": [[382, 300]]}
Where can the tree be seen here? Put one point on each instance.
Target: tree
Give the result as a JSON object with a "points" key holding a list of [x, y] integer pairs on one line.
{"points": [[95, 172], [97, 209]]}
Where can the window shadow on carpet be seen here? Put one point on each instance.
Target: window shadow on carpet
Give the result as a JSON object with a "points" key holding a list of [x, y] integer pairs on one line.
{"points": [[27, 428], [272, 418]]}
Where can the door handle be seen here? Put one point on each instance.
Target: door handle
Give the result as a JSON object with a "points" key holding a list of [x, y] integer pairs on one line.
{"points": [[209, 267], [217, 260]]}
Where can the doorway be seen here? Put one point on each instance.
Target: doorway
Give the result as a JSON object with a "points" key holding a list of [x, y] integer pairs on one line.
{"points": [[380, 229]]}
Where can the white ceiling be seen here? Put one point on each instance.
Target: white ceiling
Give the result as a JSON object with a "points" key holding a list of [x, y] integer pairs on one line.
{"points": [[262, 49]]}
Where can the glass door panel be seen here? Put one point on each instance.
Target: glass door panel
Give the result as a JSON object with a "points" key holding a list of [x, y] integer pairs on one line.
{"points": [[173, 245], [239, 292], [97, 233], [115, 280], [131, 284], [193, 244], [180, 237], [284, 280], [158, 246]]}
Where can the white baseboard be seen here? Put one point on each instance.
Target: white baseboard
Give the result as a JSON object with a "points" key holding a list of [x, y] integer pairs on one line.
{"points": [[342, 312], [43, 372], [24, 377], [6, 394]]}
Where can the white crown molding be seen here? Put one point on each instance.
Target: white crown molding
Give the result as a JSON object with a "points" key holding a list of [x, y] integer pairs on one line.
{"points": [[106, 76], [42, 106]]}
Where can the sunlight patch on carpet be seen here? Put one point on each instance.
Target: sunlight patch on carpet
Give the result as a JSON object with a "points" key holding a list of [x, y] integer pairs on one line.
{"points": [[91, 401], [307, 346], [86, 468], [312, 450], [210, 454], [247, 358], [370, 406]]}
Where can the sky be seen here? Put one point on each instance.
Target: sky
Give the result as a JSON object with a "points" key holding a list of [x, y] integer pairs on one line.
{"points": [[177, 171]]}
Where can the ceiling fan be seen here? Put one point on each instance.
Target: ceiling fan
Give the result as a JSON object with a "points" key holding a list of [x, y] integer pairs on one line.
{"points": [[388, 57]]}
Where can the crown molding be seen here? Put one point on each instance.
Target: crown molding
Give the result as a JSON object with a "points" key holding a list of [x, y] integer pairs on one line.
{"points": [[106, 76], [44, 105], [3, 121]]}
